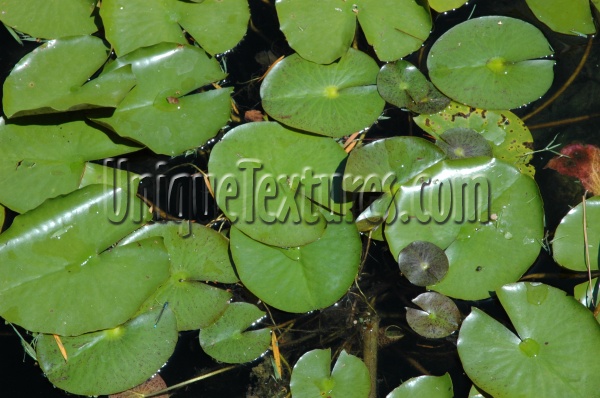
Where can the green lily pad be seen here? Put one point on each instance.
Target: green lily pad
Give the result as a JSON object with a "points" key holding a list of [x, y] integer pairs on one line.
{"points": [[510, 138], [571, 17], [568, 246], [312, 377], [462, 142], [439, 317], [541, 359], [49, 19], [199, 258], [333, 100], [54, 78], [402, 84], [424, 386], [474, 392], [477, 210], [492, 63], [299, 279], [381, 165], [268, 194], [372, 218], [112, 360], [43, 161], [445, 5], [160, 112], [226, 341], [2, 217], [423, 263], [322, 31], [56, 274], [215, 24]]}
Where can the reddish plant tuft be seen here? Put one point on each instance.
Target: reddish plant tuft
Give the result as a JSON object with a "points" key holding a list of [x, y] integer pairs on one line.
{"points": [[581, 161]]}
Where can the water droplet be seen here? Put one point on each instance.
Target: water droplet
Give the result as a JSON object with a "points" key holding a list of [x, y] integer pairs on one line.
{"points": [[536, 293], [508, 235]]}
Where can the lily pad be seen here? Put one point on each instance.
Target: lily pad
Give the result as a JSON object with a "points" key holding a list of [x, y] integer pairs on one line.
{"points": [[312, 377], [461, 142], [160, 112], [215, 24], [510, 138], [568, 245], [571, 17], [492, 63], [269, 194], [44, 161], [439, 317], [373, 217], [55, 77], [227, 341], [423, 263], [383, 164], [299, 279], [445, 5], [526, 364], [112, 360], [199, 258], [586, 296], [424, 386], [333, 100], [402, 84], [56, 275], [49, 19], [477, 210]]}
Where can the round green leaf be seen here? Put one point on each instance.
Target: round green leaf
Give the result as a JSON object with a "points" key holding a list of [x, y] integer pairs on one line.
{"points": [[199, 257], [226, 341], [43, 161], [492, 63], [274, 195], [54, 78], [52, 277], [440, 316], [299, 279], [510, 138], [402, 84], [2, 217], [311, 376], [320, 31], [541, 360], [395, 28], [158, 112], [379, 166], [568, 244], [424, 386], [372, 218], [445, 5], [572, 17], [215, 24], [113, 360], [585, 295], [462, 142], [49, 19], [333, 100], [423, 263], [477, 210]]}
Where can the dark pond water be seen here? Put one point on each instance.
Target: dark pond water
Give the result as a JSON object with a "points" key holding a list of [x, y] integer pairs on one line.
{"points": [[336, 327]]}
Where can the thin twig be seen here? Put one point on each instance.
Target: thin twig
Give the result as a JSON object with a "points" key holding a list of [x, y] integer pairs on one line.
{"points": [[562, 122], [190, 381], [587, 249]]}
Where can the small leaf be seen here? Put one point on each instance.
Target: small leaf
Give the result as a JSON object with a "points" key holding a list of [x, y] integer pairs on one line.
{"points": [[112, 360], [445, 5], [568, 245], [402, 84], [571, 17], [332, 100], [440, 316], [581, 161], [492, 63], [423, 263], [226, 341], [311, 376], [424, 386]]}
